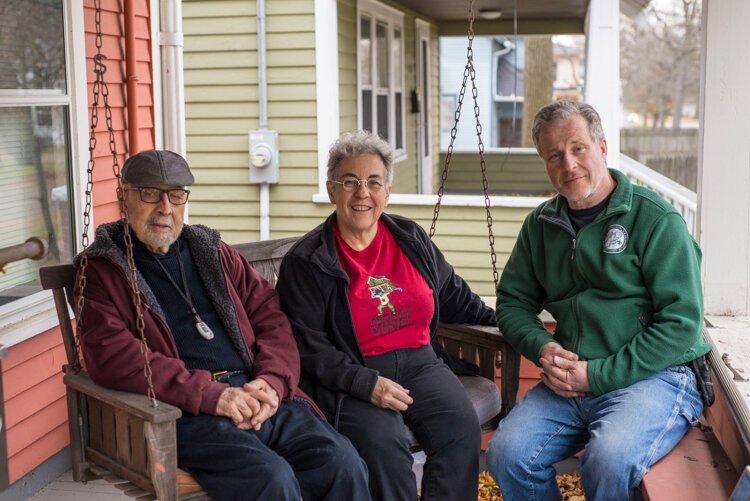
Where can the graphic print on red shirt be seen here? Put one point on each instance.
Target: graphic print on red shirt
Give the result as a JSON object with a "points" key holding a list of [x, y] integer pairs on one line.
{"points": [[391, 304]]}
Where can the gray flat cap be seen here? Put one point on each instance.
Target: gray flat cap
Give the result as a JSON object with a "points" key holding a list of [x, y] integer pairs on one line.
{"points": [[154, 167]]}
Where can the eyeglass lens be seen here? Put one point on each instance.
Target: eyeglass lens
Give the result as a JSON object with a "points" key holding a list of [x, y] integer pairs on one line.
{"points": [[354, 184], [153, 195]]}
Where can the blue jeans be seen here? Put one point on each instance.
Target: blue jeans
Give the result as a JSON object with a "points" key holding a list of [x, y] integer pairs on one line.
{"points": [[623, 432], [295, 455]]}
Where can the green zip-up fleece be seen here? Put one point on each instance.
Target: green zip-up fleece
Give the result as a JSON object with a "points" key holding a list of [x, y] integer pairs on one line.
{"points": [[625, 291]]}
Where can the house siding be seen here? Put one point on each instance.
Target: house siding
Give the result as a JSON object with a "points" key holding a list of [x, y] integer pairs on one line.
{"points": [[221, 89], [507, 174], [221, 94], [33, 393], [36, 414]]}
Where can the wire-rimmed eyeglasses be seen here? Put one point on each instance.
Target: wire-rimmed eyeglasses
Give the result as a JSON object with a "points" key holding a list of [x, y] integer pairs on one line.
{"points": [[176, 196], [351, 184]]}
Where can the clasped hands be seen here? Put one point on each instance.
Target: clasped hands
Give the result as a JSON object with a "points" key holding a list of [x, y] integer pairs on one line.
{"points": [[249, 406], [563, 372]]}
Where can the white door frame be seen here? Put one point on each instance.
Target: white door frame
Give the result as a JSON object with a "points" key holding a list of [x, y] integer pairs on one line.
{"points": [[426, 100]]}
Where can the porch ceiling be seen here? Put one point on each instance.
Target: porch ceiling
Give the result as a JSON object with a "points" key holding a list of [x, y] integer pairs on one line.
{"points": [[534, 16], [453, 10]]}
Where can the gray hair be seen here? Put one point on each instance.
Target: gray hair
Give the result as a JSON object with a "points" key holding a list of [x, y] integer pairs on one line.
{"points": [[565, 110], [354, 144]]}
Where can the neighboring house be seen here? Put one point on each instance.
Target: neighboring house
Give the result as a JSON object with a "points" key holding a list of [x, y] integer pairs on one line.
{"points": [[330, 66], [499, 65], [569, 71]]}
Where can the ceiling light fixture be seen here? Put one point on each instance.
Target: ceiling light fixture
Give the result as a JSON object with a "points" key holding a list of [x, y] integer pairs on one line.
{"points": [[490, 14]]}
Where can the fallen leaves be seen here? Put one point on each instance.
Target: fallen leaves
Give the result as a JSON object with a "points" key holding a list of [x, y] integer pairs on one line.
{"points": [[570, 486]]}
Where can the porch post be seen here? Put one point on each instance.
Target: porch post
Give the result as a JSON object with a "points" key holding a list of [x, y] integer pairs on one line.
{"points": [[603, 70], [723, 225], [327, 81]]}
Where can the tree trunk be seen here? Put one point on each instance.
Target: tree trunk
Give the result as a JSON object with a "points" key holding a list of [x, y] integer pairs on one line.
{"points": [[537, 81]]}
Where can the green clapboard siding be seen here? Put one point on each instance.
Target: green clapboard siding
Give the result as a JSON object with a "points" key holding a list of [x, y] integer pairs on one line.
{"points": [[347, 38], [221, 92], [507, 174]]}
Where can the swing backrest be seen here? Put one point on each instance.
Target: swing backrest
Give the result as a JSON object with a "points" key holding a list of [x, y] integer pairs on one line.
{"points": [[265, 256], [60, 280]]}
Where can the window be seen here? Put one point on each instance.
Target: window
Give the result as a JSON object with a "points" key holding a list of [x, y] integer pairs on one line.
{"points": [[35, 144], [381, 73], [554, 65]]}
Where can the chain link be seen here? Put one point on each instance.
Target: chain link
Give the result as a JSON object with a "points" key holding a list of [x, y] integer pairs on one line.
{"points": [[101, 89], [469, 74]]}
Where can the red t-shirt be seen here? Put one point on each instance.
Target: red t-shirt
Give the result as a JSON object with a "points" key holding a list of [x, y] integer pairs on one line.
{"points": [[391, 303]]}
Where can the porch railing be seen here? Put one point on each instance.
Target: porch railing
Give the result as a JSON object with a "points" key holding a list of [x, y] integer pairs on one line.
{"points": [[681, 198]]}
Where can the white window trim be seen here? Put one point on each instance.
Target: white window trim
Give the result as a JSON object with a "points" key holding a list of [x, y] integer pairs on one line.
{"points": [[424, 173], [395, 18], [34, 314], [451, 200]]}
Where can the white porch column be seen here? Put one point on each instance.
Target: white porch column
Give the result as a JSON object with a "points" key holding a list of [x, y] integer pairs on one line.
{"points": [[603, 70], [724, 158], [173, 85], [327, 81]]}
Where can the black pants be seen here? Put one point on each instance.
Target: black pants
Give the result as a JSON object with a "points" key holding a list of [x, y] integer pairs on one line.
{"points": [[441, 418], [295, 455]]}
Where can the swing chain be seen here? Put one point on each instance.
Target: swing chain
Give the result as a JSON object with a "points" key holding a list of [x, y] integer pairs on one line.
{"points": [[99, 69], [469, 74], [101, 89]]}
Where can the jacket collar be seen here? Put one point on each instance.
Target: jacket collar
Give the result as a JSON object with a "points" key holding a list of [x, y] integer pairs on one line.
{"points": [[203, 243]]}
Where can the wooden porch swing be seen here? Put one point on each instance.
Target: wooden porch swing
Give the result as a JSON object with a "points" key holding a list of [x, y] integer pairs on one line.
{"points": [[130, 439]]}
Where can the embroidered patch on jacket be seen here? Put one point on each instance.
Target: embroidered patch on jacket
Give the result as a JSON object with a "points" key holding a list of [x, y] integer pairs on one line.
{"points": [[615, 240]]}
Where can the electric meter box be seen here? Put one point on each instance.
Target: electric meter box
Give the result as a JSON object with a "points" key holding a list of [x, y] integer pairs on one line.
{"points": [[264, 156]]}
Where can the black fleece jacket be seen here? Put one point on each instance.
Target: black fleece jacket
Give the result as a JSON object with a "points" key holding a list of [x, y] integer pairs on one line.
{"points": [[313, 291]]}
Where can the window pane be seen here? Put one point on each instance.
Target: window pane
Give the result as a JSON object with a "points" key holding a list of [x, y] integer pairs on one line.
{"points": [[397, 58], [367, 110], [381, 34], [365, 51], [383, 117], [522, 77], [32, 47], [399, 124], [34, 166], [425, 98]]}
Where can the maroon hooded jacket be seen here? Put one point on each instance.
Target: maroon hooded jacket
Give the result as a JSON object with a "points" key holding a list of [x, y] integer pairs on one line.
{"points": [[245, 302]]}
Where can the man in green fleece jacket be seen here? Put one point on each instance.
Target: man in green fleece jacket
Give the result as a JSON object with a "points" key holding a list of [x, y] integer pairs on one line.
{"points": [[616, 267]]}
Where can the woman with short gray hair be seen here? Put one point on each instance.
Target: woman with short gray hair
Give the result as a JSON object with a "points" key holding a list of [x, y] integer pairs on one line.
{"points": [[365, 291]]}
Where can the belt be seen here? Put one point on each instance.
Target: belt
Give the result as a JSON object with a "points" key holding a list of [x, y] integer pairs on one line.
{"points": [[223, 376]]}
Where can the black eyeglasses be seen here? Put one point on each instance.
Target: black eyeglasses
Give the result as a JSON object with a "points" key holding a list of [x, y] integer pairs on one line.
{"points": [[153, 195], [351, 184]]}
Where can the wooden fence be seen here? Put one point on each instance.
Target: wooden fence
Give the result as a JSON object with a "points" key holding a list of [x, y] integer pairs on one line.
{"points": [[673, 153]]}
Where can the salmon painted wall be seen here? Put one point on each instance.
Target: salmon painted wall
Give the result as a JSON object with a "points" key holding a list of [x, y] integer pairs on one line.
{"points": [[34, 395]]}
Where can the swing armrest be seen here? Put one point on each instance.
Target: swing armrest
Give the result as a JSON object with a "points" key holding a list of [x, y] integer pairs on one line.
{"points": [[130, 403], [122, 433], [485, 346]]}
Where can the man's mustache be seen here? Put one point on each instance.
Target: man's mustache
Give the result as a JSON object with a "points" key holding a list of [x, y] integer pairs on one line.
{"points": [[160, 222]]}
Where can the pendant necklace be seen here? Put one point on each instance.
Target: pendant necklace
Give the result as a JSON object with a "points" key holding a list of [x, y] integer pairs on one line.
{"points": [[203, 329]]}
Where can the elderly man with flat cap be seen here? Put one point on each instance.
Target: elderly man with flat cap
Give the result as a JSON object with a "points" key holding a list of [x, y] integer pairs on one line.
{"points": [[220, 348]]}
